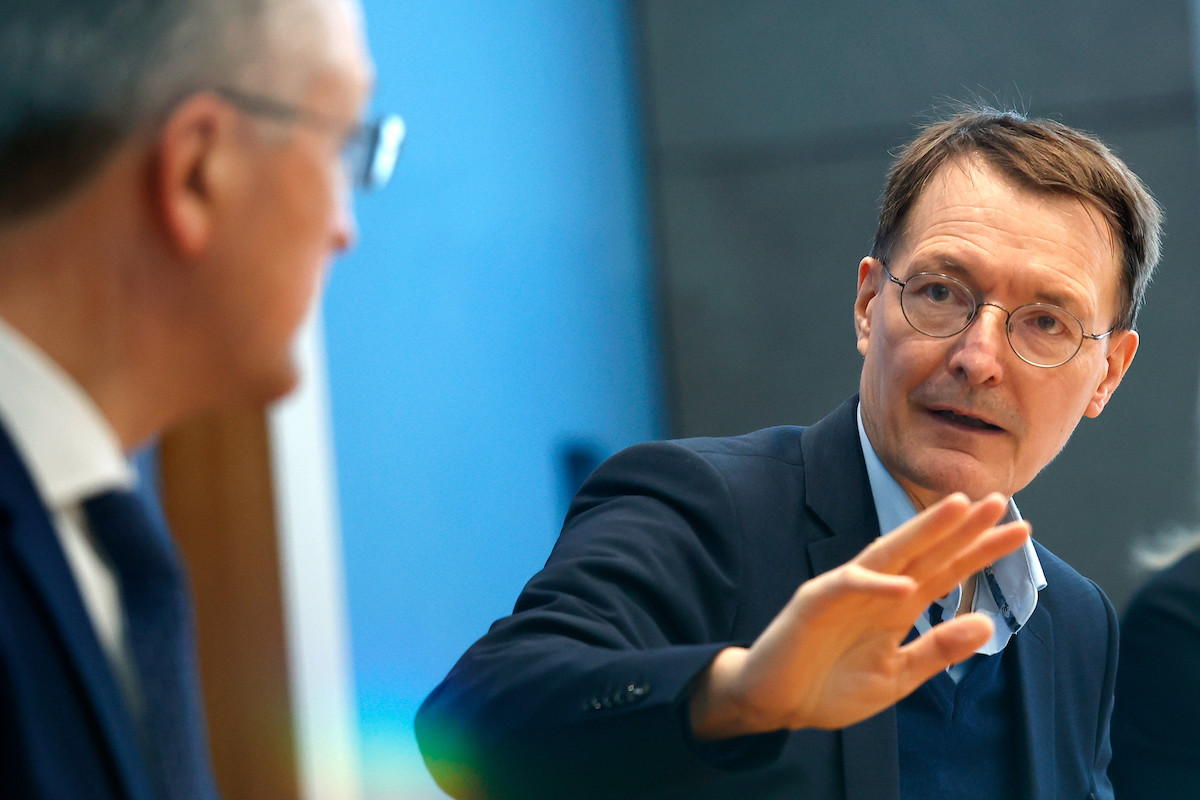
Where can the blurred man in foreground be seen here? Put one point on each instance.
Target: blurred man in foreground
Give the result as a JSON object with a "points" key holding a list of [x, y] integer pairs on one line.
{"points": [[175, 178]]}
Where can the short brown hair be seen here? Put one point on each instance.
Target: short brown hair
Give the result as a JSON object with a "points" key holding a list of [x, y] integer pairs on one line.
{"points": [[1042, 155]]}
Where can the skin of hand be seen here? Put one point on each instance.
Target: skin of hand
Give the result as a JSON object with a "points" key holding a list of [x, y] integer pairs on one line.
{"points": [[835, 655]]}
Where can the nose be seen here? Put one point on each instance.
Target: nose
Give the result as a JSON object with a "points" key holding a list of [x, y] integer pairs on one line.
{"points": [[979, 351]]}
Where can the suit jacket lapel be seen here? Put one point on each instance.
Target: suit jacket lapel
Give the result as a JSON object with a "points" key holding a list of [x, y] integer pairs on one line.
{"points": [[1034, 650], [35, 547], [871, 758], [837, 489], [838, 492]]}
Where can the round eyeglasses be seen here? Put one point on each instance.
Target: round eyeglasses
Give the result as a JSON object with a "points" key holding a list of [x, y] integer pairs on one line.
{"points": [[1041, 334]]}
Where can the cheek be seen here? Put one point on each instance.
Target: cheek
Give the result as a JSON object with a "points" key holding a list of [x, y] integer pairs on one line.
{"points": [[1052, 412], [311, 216], [313, 187], [295, 289], [883, 393], [898, 364]]}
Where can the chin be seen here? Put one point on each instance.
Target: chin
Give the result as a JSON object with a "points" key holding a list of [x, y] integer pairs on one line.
{"points": [[276, 385], [284, 388], [944, 477]]}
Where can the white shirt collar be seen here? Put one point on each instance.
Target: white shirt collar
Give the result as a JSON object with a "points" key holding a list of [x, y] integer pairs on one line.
{"points": [[1007, 591], [68, 446]]}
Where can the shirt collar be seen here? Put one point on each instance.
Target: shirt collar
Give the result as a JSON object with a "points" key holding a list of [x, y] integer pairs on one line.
{"points": [[1006, 591], [67, 444]]}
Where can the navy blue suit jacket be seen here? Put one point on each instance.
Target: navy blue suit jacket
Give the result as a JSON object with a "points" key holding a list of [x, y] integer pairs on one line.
{"points": [[674, 550], [65, 732]]}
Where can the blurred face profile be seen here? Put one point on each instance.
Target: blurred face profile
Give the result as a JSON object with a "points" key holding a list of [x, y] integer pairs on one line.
{"points": [[964, 412], [295, 216]]}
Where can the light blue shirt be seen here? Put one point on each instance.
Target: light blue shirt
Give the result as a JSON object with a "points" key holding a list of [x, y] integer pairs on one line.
{"points": [[1006, 591]]}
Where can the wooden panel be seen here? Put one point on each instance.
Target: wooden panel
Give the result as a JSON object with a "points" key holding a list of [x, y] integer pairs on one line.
{"points": [[218, 498]]}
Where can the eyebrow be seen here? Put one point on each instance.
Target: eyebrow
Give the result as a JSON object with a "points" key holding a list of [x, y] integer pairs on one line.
{"points": [[950, 266]]}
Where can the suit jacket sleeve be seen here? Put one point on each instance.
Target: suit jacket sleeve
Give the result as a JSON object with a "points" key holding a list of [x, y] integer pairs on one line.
{"points": [[582, 691]]}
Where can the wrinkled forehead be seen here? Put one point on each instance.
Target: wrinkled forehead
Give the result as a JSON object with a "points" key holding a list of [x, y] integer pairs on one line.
{"points": [[972, 178], [977, 202]]}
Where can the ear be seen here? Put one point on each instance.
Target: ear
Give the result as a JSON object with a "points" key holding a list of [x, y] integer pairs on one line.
{"points": [[196, 148], [1121, 349], [868, 289]]}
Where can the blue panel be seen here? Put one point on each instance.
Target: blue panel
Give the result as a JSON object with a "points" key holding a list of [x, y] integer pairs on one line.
{"points": [[491, 335]]}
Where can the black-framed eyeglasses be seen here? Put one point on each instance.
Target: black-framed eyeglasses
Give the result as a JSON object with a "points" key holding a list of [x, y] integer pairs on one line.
{"points": [[1041, 334], [369, 151]]}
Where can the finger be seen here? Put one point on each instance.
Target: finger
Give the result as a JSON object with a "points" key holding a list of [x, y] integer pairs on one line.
{"points": [[858, 579], [892, 551], [959, 538], [974, 534], [991, 546], [943, 646], [934, 535], [843, 592]]}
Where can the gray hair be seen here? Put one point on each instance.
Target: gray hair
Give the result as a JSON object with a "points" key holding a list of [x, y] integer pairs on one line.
{"points": [[78, 76]]}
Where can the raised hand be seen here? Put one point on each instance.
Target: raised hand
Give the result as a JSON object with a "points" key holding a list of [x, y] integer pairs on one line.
{"points": [[835, 655]]}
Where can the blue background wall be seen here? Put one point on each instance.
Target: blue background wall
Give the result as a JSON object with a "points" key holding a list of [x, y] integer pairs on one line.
{"points": [[497, 313]]}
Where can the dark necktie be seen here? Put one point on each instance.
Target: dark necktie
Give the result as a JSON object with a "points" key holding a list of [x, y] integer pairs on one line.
{"points": [[160, 631]]}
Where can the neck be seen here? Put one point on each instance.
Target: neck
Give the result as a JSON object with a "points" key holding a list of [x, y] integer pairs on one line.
{"points": [[77, 281]]}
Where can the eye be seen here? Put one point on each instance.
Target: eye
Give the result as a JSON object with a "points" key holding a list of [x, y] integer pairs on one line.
{"points": [[937, 292], [1045, 321], [1048, 324]]}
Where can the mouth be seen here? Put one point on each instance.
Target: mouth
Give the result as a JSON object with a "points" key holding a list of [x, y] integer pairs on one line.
{"points": [[966, 421]]}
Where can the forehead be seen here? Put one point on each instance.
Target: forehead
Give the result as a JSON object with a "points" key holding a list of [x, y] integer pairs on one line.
{"points": [[346, 38], [324, 43], [973, 216]]}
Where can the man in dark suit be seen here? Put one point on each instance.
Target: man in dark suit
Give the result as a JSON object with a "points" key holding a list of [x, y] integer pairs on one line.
{"points": [[722, 618], [173, 183]]}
